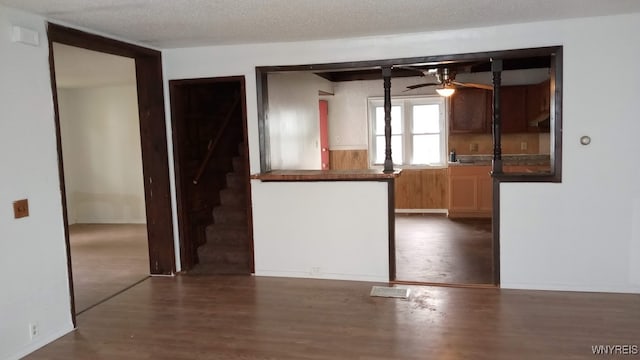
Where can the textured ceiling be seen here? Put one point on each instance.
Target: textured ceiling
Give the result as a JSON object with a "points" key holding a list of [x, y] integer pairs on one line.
{"points": [[182, 23]]}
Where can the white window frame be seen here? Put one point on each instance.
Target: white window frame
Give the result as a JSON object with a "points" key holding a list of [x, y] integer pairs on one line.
{"points": [[406, 103]]}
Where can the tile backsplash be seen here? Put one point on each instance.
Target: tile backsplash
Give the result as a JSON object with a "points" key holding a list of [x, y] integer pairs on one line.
{"points": [[477, 144]]}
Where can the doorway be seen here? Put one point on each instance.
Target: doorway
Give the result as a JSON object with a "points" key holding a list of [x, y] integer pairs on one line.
{"points": [[209, 126], [155, 169], [100, 137]]}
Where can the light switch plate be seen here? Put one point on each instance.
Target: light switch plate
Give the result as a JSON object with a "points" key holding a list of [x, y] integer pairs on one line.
{"points": [[20, 208]]}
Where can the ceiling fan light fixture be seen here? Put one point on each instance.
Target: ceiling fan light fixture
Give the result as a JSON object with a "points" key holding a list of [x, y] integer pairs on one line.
{"points": [[445, 91]]}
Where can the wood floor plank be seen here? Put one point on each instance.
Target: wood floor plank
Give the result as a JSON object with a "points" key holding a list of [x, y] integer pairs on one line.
{"points": [[106, 259], [232, 317], [432, 248]]}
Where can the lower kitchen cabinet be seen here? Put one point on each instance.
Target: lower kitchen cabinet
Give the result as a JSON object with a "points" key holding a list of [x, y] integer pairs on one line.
{"points": [[470, 191]]}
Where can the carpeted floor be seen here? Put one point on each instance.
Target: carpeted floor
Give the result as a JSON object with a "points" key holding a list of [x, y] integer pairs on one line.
{"points": [[106, 259], [432, 248]]}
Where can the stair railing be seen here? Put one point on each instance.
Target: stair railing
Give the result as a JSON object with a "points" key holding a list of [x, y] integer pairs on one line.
{"points": [[213, 142]]}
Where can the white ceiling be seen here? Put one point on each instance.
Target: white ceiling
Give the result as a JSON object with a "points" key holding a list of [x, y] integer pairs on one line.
{"points": [[76, 68], [183, 23]]}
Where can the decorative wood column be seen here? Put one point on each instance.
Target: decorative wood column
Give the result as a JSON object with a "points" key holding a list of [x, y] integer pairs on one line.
{"points": [[496, 68], [388, 161]]}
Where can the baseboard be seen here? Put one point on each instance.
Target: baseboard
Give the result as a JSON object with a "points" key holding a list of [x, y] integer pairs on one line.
{"points": [[323, 276], [422, 211], [470, 215], [571, 288], [42, 341], [111, 221]]}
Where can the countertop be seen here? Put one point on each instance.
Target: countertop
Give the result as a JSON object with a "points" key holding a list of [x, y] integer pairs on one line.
{"points": [[507, 160], [325, 175]]}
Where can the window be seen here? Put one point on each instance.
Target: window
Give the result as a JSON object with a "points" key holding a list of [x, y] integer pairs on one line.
{"points": [[417, 131]]}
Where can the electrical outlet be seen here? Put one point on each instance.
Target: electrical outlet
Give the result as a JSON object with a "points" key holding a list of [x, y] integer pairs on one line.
{"points": [[20, 208], [473, 147], [34, 331], [315, 271], [523, 145]]}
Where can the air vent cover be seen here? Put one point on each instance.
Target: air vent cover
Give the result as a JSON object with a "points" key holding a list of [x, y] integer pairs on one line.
{"points": [[392, 292]]}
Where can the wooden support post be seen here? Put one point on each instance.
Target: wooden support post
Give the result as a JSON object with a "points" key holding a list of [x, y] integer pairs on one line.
{"points": [[496, 68], [388, 161]]}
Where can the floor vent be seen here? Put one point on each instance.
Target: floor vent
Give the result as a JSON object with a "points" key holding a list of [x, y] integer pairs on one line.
{"points": [[392, 292]]}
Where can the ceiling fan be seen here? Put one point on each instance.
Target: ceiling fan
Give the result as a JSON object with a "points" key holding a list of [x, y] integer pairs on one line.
{"points": [[443, 77]]}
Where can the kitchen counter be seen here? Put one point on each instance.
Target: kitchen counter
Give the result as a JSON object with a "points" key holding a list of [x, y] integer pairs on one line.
{"points": [[325, 175], [507, 160]]}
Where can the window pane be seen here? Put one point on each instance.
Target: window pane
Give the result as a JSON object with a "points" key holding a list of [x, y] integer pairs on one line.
{"points": [[396, 149], [380, 146], [396, 120], [426, 118], [426, 149]]}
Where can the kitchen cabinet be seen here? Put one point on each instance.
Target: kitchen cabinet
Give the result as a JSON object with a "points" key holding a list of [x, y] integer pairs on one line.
{"points": [[514, 104], [468, 111], [538, 105], [472, 110], [470, 191]]}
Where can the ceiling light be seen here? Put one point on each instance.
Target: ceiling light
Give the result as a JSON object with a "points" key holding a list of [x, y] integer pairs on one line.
{"points": [[445, 90]]}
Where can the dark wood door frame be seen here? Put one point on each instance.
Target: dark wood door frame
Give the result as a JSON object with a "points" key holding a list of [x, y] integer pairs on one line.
{"points": [[185, 257], [153, 139]]}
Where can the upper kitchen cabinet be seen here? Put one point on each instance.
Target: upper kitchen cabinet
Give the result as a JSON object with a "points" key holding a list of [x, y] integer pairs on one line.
{"points": [[538, 105], [472, 109], [468, 111], [513, 103]]}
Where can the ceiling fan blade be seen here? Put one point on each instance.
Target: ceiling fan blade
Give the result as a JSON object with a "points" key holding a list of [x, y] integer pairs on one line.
{"points": [[411, 87], [474, 85]]}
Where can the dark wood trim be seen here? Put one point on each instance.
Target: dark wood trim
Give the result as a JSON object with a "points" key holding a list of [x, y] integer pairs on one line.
{"points": [[496, 122], [376, 64], [185, 255], [388, 162], [148, 63], [263, 120], [556, 119], [73, 37], [245, 135], [392, 229], [155, 165], [495, 231], [63, 190], [466, 66], [555, 176]]}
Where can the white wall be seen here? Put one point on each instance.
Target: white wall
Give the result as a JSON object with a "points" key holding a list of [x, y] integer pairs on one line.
{"points": [[294, 129], [32, 250], [102, 154], [549, 238], [312, 230]]}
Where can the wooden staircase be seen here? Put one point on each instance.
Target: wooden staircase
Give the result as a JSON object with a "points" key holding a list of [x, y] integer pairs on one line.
{"points": [[227, 249]]}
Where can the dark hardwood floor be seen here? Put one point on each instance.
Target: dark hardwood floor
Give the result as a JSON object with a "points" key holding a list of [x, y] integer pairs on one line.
{"points": [[106, 259], [244, 317], [434, 249]]}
